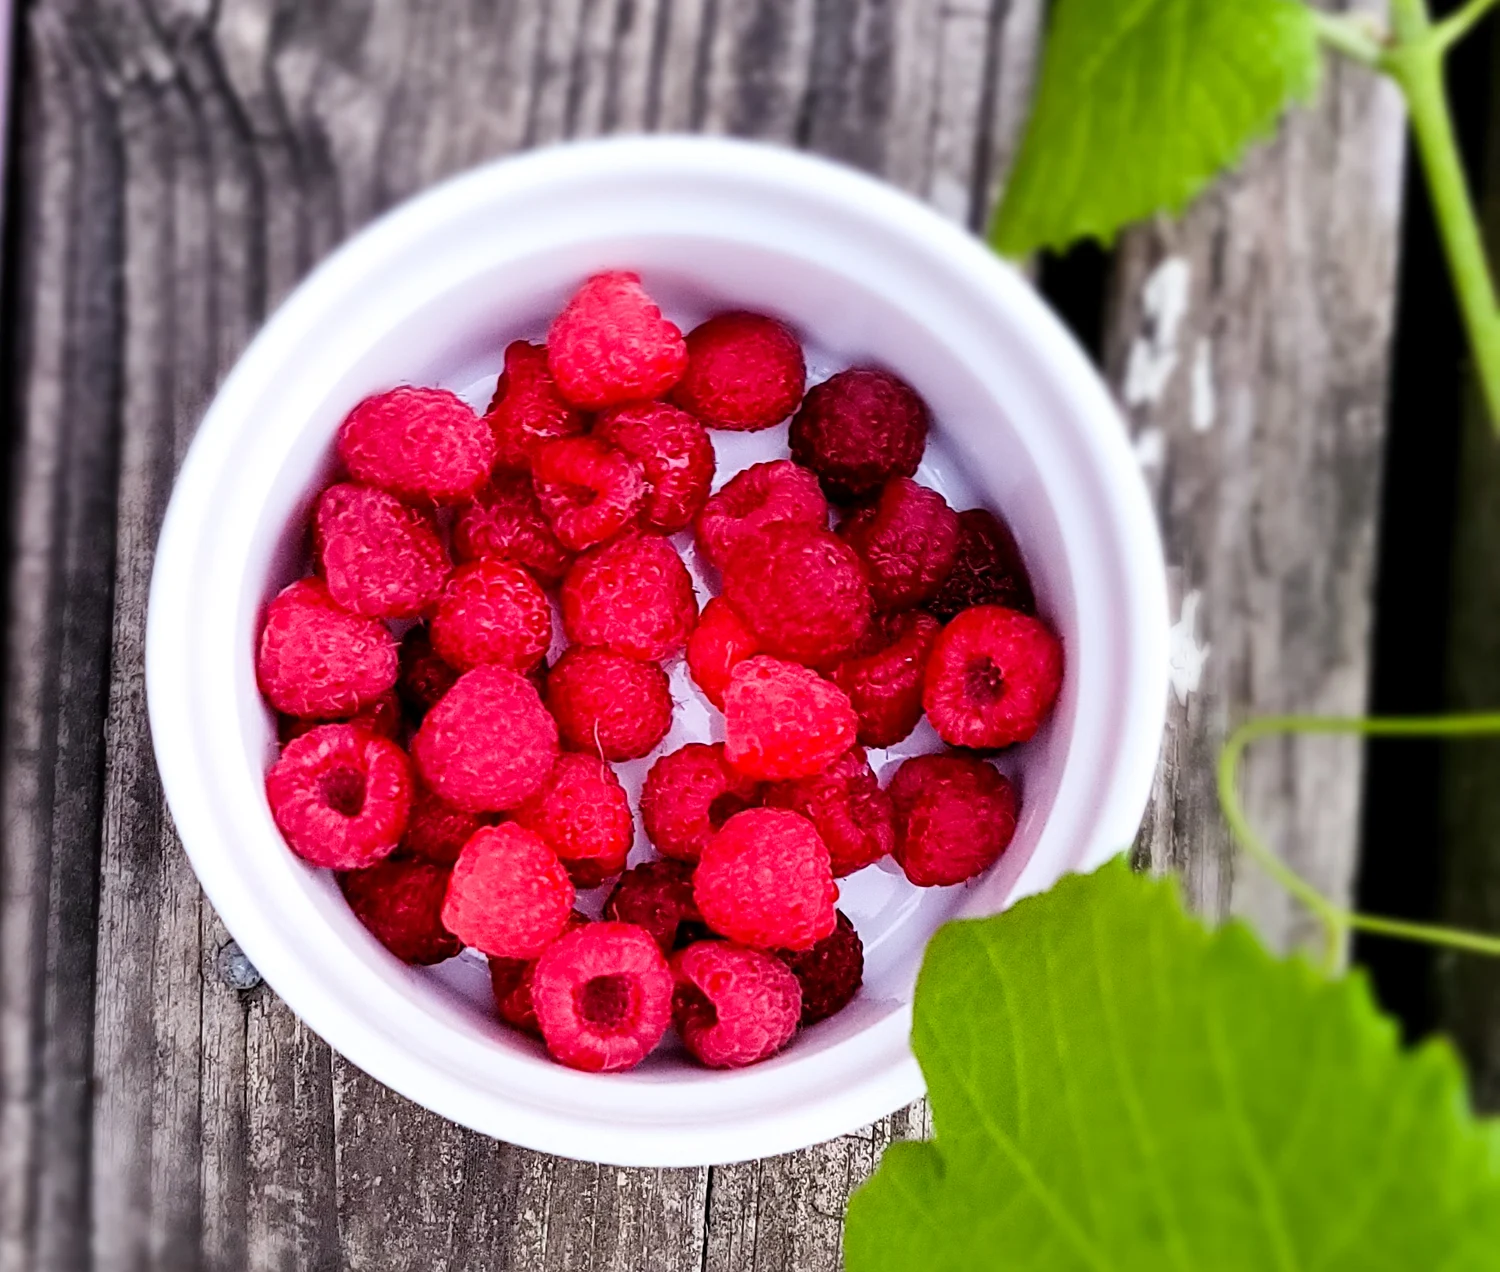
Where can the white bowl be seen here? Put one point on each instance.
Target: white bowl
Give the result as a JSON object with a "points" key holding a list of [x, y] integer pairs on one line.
{"points": [[431, 294]]}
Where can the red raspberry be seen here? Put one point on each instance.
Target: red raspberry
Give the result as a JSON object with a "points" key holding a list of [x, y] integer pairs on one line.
{"points": [[340, 796], [424, 677], [382, 717], [908, 542], [845, 803], [830, 973], [584, 817], [658, 896], [783, 721], [378, 556], [489, 743], [438, 830], [318, 660], [733, 1006], [510, 982], [588, 490], [673, 451], [802, 591], [603, 996], [492, 613], [425, 445], [719, 644], [609, 705], [401, 902], [955, 815], [506, 521], [859, 429], [762, 495], [689, 795], [509, 895], [527, 409], [883, 678], [764, 881], [611, 344], [632, 595], [987, 570], [992, 678], [744, 372]]}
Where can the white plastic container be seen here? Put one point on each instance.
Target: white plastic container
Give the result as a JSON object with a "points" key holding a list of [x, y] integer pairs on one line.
{"points": [[431, 294]]}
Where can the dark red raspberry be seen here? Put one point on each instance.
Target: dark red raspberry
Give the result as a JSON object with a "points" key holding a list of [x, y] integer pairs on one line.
{"points": [[509, 895], [317, 660], [987, 570], [845, 803], [381, 717], [584, 816], [764, 881], [489, 743], [603, 996], [424, 445], [744, 372], [492, 613], [400, 900], [658, 896], [719, 644], [733, 1006], [955, 815], [802, 591], [883, 678], [783, 721], [632, 595], [588, 490], [611, 344], [510, 982], [527, 409], [762, 495], [609, 705], [992, 677], [908, 541], [673, 451], [830, 973], [424, 677], [438, 830], [378, 556], [505, 521], [340, 796], [689, 795], [858, 429]]}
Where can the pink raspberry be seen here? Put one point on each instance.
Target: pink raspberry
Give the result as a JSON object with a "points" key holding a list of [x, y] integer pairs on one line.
{"points": [[424, 445], [992, 678], [438, 830], [588, 490], [858, 429], [632, 595], [510, 982], [340, 796], [658, 896], [527, 409], [380, 716], [582, 814], [424, 677], [509, 895], [603, 997], [315, 659], [610, 344], [987, 570], [764, 880], [378, 556], [505, 521], [883, 677], [733, 1006], [400, 901], [830, 973], [608, 705], [783, 721], [845, 804], [719, 644], [689, 795], [744, 372], [492, 613], [955, 815], [761, 496], [674, 453], [908, 541]]}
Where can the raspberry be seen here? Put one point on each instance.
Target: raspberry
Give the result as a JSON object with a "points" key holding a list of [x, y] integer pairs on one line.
{"points": [[378, 556], [510, 982], [611, 344], [783, 721], [845, 804], [489, 743], [830, 973], [762, 495], [689, 795], [858, 429], [609, 705], [992, 677], [380, 716], [908, 542], [632, 595], [340, 796], [764, 881], [438, 830], [802, 591], [315, 659], [987, 570], [658, 896], [603, 996], [400, 901], [509, 895], [527, 409], [425, 445], [492, 613], [744, 372], [582, 814], [883, 678], [733, 1006], [718, 645], [588, 490], [506, 521], [954, 817], [673, 451], [424, 676]]}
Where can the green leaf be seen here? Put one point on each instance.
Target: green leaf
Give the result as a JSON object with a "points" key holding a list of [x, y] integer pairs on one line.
{"points": [[1116, 1087], [1142, 103]]}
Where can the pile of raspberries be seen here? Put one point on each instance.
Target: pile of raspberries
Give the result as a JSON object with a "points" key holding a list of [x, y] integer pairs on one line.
{"points": [[463, 789]]}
